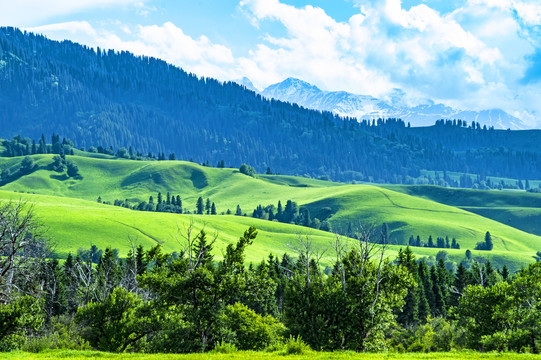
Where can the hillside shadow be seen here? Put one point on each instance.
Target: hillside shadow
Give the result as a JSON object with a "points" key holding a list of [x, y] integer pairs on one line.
{"points": [[59, 177], [199, 179]]}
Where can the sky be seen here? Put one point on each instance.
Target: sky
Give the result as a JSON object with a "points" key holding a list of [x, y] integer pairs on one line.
{"points": [[468, 54]]}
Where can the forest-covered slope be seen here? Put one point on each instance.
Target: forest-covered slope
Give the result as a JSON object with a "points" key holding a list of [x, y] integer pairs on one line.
{"points": [[117, 99]]}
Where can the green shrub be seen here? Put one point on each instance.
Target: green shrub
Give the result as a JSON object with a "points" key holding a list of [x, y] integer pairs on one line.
{"points": [[274, 348], [37, 344], [295, 346], [224, 348], [515, 340], [17, 319], [175, 335], [251, 330], [247, 170], [65, 337]]}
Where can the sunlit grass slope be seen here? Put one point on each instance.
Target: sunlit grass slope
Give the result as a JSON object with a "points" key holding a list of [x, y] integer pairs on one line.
{"points": [[519, 209], [76, 223]]}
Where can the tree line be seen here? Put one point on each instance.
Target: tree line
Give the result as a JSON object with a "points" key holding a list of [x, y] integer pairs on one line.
{"points": [[441, 242]]}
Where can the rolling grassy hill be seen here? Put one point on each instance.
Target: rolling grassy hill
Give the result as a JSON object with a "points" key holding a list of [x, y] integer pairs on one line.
{"points": [[518, 209], [68, 206]]}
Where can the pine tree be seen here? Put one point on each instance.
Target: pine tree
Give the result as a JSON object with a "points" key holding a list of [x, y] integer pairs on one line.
{"points": [[488, 241], [213, 209], [279, 212], [207, 206], [239, 211], [505, 273], [437, 290], [410, 311], [140, 260], [462, 279], [202, 250], [424, 275], [200, 207], [179, 204]]}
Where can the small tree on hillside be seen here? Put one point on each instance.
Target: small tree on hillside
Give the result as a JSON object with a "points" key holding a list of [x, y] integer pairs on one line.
{"points": [[27, 165], [247, 170], [487, 244], [73, 170]]}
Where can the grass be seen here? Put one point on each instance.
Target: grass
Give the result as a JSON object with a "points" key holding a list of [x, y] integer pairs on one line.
{"points": [[74, 224], [518, 209], [62, 354], [68, 206]]}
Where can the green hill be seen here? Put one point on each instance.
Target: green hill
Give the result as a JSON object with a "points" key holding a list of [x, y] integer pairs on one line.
{"points": [[518, 209], [73, 215]]}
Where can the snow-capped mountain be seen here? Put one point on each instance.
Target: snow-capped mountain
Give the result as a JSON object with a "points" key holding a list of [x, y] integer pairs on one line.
{"points": [[247, 84], [367, 107]]}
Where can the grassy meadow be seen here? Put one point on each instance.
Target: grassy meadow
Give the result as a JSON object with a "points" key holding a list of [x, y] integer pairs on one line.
{"points": [[252, 355], [74, 219]]}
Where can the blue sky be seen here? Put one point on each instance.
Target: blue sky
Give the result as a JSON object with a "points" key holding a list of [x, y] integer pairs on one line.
{"points": [[470, 54]]}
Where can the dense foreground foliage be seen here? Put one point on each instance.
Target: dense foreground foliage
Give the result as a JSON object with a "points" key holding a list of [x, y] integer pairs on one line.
{"points": [[186, 302]]}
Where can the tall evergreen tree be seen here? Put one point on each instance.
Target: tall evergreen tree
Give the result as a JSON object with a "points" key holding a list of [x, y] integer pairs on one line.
{"points": [[207, 206], [200, 206]]}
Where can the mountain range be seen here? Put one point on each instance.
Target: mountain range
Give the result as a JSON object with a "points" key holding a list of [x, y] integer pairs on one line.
{"points": [[368, 107], [117, 101]]}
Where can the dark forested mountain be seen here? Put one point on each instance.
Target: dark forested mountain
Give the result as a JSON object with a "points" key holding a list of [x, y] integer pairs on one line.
{"points": [[117, 99]]}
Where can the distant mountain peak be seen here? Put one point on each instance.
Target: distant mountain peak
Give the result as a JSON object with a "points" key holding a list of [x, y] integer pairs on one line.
{"points": [[395, 105], [291, 84], [247, 83]]}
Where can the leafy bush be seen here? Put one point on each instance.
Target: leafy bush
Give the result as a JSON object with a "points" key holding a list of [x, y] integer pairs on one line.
{"points": [[437, 334], [224, 348], [247, 170], [252, 331], [175, 335], [73, 170], [295, 346], [64, 336], [37, 344], [119, 323], [505, 340], [17, 319], [27, 165]]}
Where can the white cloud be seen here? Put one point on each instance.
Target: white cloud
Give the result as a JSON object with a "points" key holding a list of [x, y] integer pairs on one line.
{"points": [[472, 58], [31, 12], [198, 55], [71, 27]]}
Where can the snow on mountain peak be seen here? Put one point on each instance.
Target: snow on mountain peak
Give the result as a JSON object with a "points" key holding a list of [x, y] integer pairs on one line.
{"points": [[393, 106]]}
